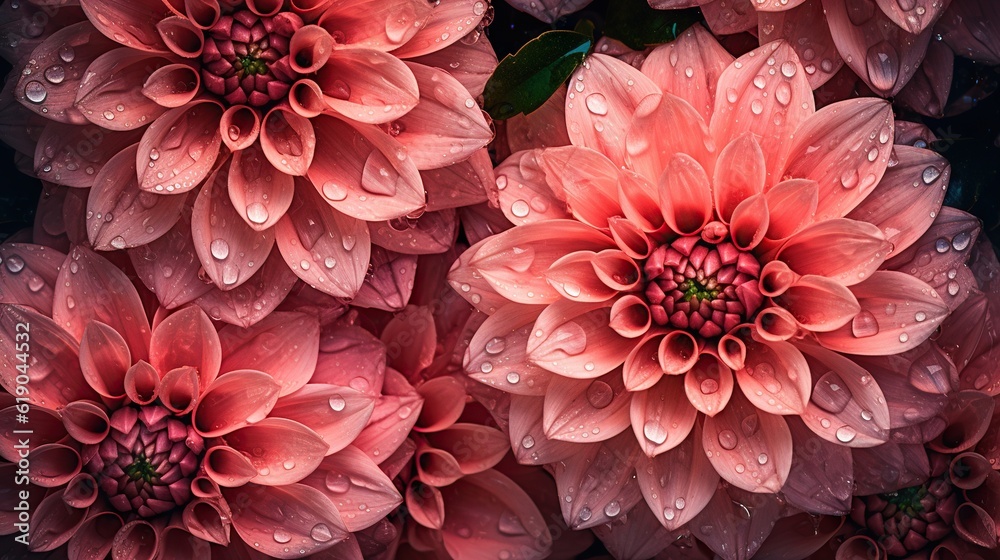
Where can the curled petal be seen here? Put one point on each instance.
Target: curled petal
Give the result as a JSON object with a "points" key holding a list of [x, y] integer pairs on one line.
{"points": [[967, 417], [444, 400], [678, 352], [527, 436], [642, 368], [239, 127], [337, 414], [709, 384], [53, 522], [54, 464], [695, 49], [749, 222], [859, 250], [678, 483], [497, 353], [586, 410], [288, 141], [740, 173], [630, 316], [142, 383], [685, 195], [182, 146], [228, 467], [969, 470], [576, 340], [775, 377], [178, 390], [775, 323], [187, 338], [85, 422], [260, 193], [311, 519], [309, 49], [174, 85], [791, 206], [436, 467], [747, 445], [353, 90], [660, 419], [283, 451], [425, 504], [205, 520], [104, 359], [181, 36], [525, 194], [81, 491], [306, 98], [975, 525], [234, 400]]}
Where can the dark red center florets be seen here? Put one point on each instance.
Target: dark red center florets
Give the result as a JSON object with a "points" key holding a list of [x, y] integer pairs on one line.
{"points": [[908, 520], [702, 287]]}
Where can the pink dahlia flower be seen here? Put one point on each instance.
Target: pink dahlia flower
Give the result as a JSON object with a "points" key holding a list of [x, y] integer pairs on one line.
{"points": [[683, 281], [886, 43], [306, 130], [158, 441]]}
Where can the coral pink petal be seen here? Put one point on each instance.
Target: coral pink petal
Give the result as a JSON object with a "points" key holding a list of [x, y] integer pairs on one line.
{"points": [[442, 28], [252, 301], [375, 24], [574, 277], [53, 523], [142, 383], [611, 92], [805, 29], [32, 278], [306, 99], [860, 132], [137, 539], [476, 62], [630, 316], [169, 266], [324, 247], [283, 451], [821, 479], [927, 92], [288, 141], [513, 262], [351, 88], [898, 312], [913, 17], [311, 519], [228, 467], [351, 356], [91, 288], [446, 126], [45, 425], [259, 193], [129, 23], [594, 410], [918, 396], [741, 106], [881, 53], [661, 420], [366, 179], [709, 384], [650, 147], [726, 19], [104, 359], [967, 417], [847, 406], [597, 476], [121, 215], [443, 403], [525, 194], [685, 195], [55, 464], [75, 156], [94, 537], [389, 282], [641, 369], [842, 250], [775, 378], [203, 519], [463, 184], [577, 341], [337, 414], [497, 352], [527, 436], [585, 179], [969, 28], [695, 51], [349, 476], [284, 344], [800, 535], [182, 146], [173, 85], [740, 173], [750, 222], [678, 483], [56, 101], [178, 389], [975, 525], [749, 448], [181, 36], [410, 341], [904, 212], [431, 233], [395, 414], [425, 504], [309, 49], [239, 127], [490, 445], [187, 338], [234, 400], [549, 10], [819, 304]]}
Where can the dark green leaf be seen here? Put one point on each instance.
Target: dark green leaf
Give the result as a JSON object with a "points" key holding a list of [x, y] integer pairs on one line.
{"points": [[523, 81], [637, 25]]}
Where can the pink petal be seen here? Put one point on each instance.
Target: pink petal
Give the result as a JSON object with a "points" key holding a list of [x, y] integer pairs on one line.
{"points": [[879, 329], [255, 299], [54, 465], [389, 281], [378, 25], [918, 396], [352, 89], [900, 209], [549, 10], [288, 141], [527, 436], [685, 195], [173, 85], [776, 377], [749, 448], [806, 31], [123, 216], [821, 479], [52, 228], [882, 54], [309, 49], [967, 422], [363, 177], [471, 285], [695, 49], [142, 383], [283, 451], [327, 249], [819, 304], [284, 345], [187, 338], [53, 523], [859, 250], [847, 407], [176, 543], [740, 173], [446, 126], [182, 35], [729, 508], [639, 535], [475, 447], [337, 414], [544, 127], [497, 352], [259, 193], [725, 19], [630, 316], [425, 504], [642, 369], [444, 400], [85, 422], [651, 146], [85, 275], [129, 23], [432, 232], [395, 414], [800, 535], [585, 179], [661, 420], [708, 385], [750, 222], [95, 536], [594, 410], [471, 63], [349, 477], [860, 133], [410, 340], [967, 27], [178, 389], [462, 184], [606, 99], [233, 401], [32, 278], [575, 278], [169, 266], [310, 519], [227, 467], [239, 127], [443, 28], [576, 340], [927, 92], [791, 206], [74, 156], [46, 425], [525, 193], [595, 477], [678, 483], [741, 105], [182, 146], [55, 101], [889, 467], [915, 17], [480, 221], [351, 356]]}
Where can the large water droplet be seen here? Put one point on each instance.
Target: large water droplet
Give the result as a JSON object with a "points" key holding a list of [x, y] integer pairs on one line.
{"points": [[282, 536], [831, 394], [846, 434], [15, 264], [35, 91], [654, 432], [961, 241], [337, 403], [321, 533], [600, 394], [864, 325], [337, 483], [220, 248], [728, 439], [495, 345], [930, 174], [597, 104], [257, 212]]}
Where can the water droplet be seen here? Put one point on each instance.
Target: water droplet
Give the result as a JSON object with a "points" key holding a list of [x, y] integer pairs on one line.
{"points": [[513, 377], [920, 316], [612, 509], [337, 403], [288, 464], [866, 415], [321, 533], [600, 394], [597, 104], [654, 432], [788, 69], [709, 386], [961, 241], [727, 439], [220, 248], [903, 337], [668, 514], [55, 74], [329, 262], [337, 483], [846, 434], [35, 91], [520, 208], [757, 106], [334, 192], [762, 459], [864, 325], [750, 425], [527, 442], [759, 81], [495, 345], [118, 242], [257, 213], [15, 264], [282, 536], [585, 514]]}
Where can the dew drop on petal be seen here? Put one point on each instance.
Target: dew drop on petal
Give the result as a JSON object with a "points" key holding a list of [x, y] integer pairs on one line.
{"points": [[654, 432], [220, 248], [846, 434], [727, 439], [337, 403], [321, 533], [864, 325]]}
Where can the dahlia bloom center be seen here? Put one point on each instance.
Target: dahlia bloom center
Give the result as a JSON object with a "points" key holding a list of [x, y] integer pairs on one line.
{"points": [[907, 520], [245, 58], [146, 462], [703, 287]]}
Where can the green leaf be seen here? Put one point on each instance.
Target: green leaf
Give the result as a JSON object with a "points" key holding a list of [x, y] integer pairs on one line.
{"points": [[523, 81], [636, 24]]}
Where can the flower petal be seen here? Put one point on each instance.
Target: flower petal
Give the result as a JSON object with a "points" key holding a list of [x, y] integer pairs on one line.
{"points": [[463, 184], [173, 85], [860, 248], [497, 353], [389, 282], [371, 23], [431, 233], [443, 28], [709, 384], [805, 29], [685, 195], [585, 179], [443, 403], [29, 275], [288, 141], [353, 89], [695, 49], [74, 156], [227, 467], [595, 477], [960, 29], [649, 146], [129, 23], [395, 414], [576, 340], [282, 451], [821, 479], [169, 266], [591, 410], [525, 194], [53, 522], [725, 20], [179, 148], [284, 345], [889, 467], [233, 401], [545, 127], [776, 377], [819, 304], [349, 477], [927, 92], [337, 414], [252, 301], [471, 63], [527, 436], [187, 338], [661, 420], [740, 173], [791, 206], [95, 535], [678, 483]]}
